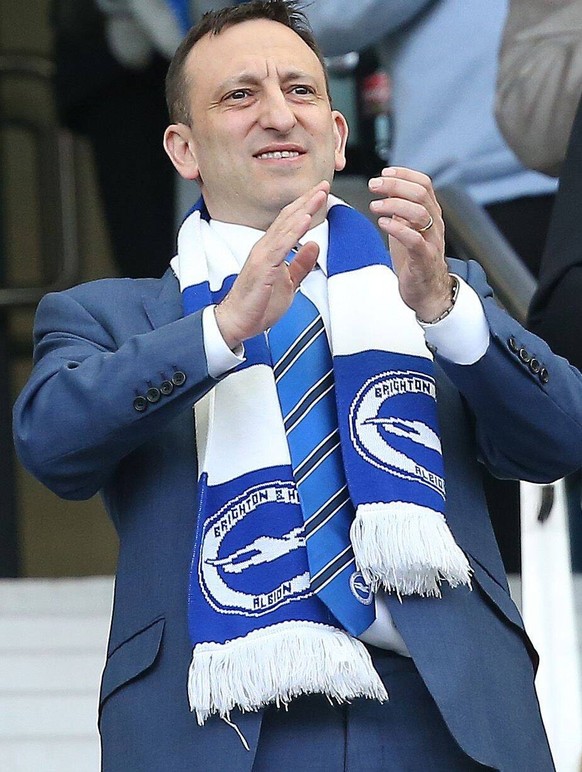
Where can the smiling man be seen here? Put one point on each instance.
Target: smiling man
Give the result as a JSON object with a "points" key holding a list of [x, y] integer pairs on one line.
{"points": [[286, 431], [256, 129]]}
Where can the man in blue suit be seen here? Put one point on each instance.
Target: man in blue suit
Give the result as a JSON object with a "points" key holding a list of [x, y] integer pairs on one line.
{"points": [[404, 651]]}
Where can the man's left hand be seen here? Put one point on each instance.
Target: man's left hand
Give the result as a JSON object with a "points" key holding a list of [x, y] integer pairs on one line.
{"points": [[409, 213]]}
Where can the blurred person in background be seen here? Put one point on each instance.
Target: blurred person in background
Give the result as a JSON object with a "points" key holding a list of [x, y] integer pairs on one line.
{"points": [[556, 310], [539, 83], [111, 59], [441, 56], [539, 88], [117, 103]]}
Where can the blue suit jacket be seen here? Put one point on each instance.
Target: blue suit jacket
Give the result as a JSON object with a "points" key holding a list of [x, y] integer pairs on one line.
{"points": [[101, 345]]}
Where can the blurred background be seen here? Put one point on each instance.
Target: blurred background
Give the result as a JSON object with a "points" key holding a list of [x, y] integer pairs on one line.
{"points": [[48, 205]]}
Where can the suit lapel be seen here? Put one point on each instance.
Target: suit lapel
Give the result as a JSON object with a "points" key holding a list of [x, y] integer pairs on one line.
{"points": [[164, 306]]}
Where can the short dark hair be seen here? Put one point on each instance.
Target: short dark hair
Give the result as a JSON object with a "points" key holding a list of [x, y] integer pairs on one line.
{"points": [[287, 12]]}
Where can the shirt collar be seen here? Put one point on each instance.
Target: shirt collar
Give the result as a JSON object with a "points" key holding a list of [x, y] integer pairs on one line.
{"points": [[242, 238]]}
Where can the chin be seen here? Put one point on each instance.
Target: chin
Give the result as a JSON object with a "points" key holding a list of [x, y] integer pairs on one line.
{"points": [[280, 195]]}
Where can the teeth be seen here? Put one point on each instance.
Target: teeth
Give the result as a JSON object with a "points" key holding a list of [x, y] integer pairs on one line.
{"points": [[280, 154]]}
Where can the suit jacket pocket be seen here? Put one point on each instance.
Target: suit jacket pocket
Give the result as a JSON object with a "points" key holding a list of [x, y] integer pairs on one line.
{"points": [[131, 658]]}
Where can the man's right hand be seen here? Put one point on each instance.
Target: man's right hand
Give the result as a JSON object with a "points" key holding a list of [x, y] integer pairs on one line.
{"points": [[266, 285]]}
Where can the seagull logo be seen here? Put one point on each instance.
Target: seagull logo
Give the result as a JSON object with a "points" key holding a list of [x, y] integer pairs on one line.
{"points": [[412, 430], [265, 549], [244, 571]]}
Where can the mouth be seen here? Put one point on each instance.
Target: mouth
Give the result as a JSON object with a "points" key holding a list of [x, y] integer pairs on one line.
{"points": [[279, 153]]}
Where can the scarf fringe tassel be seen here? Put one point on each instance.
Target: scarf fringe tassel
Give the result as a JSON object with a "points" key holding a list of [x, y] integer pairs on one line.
{"points": [[274, 665], [407, 549]]}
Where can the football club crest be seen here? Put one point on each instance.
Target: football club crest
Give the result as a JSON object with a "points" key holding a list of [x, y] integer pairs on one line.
{"points": [[360, 589], [392, 426], [249, 543]]}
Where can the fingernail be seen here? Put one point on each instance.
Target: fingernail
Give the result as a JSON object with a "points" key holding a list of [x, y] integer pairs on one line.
{"points": [[375, 183], [390, 171], [375, 204]]}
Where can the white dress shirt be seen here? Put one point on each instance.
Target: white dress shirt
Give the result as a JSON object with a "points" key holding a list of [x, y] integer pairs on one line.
{"points": [[462, 337]]}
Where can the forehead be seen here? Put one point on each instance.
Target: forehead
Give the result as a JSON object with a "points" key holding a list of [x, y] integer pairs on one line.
{"points": [[257, 44]]}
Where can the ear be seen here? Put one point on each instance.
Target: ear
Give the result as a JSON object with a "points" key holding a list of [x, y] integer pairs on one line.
{"points": [[340, 130], [179, 145]]}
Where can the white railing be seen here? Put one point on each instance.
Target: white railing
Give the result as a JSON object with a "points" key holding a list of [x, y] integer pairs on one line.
{"points": [[549, 612]]}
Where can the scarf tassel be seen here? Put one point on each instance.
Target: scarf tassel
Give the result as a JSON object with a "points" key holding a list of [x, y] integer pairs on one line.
{"points": [[407, 549], [275, 664]]}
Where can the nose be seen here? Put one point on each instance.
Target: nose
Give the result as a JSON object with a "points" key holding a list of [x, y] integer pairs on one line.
{"points": [[276, 112]]}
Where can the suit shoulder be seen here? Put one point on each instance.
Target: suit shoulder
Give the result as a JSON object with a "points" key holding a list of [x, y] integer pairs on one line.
{"points": [[108, 295], [113, 288]]}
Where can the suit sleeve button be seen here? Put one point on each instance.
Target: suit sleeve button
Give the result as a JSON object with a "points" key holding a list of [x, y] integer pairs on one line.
{"points": [[512, 343], [524, 355], [166, 388], [535, 366], [544, 375], [153, 395], [179, 378], [140, 404]]}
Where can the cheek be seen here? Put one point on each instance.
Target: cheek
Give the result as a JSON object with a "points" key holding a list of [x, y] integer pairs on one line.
{"points": [[225, 149], [215, 157]]}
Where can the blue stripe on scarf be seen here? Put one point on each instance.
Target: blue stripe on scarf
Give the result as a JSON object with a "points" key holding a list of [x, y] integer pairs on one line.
{"points": [[197, 296], [354, 242]]}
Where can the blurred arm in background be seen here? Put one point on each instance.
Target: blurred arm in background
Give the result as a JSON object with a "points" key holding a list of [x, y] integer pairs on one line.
{"points": [[540, 79]]}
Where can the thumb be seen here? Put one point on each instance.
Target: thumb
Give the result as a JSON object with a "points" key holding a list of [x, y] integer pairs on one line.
{"points": [[303, 262]]}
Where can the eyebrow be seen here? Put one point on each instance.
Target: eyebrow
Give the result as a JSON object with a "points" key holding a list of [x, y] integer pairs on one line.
{"points": [[252, 79]]}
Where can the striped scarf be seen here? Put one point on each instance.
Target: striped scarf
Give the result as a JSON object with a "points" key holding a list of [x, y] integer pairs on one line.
{"points": [[259, 632]]}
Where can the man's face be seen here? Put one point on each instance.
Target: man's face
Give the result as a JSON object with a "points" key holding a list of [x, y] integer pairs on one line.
{"points": [[262, 129]]}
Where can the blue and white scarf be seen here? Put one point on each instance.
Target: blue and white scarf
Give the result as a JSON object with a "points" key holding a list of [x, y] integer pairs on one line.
{"points": [[259, 634]]}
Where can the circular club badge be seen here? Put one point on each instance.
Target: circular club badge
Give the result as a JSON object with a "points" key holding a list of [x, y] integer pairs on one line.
{"points": [[393, 426], [253, 558], [361, 590]]}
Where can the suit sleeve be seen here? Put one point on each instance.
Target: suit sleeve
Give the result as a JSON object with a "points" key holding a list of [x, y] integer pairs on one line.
{"points": [[77, 417], [526, 400]]}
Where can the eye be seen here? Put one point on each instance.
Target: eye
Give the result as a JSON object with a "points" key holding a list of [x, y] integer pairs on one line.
{"points": [[238, 95], [302, 90]]}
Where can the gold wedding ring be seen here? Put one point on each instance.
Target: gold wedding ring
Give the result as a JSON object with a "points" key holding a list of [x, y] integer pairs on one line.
{"points": [[429, 224]]}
